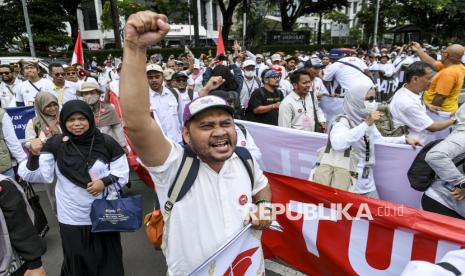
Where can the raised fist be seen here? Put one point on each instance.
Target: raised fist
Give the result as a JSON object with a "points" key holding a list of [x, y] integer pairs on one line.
{"points": [[145, 28]]}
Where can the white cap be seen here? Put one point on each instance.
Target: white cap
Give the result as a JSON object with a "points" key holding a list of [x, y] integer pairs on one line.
{"points": [[168, 74], [259, 56], [196, 65], [154, 67], [248, 62], [276, 57]]}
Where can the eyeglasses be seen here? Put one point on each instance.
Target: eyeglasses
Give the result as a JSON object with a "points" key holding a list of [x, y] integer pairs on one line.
{"points": [[181, 80], [277, 77], [4, 73], [59, 75]]}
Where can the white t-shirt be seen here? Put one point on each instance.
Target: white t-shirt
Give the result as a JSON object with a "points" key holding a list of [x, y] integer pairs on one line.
{"points": [[407, 109], [285, 86], [319, 87], [209, 214], [65, 93], [184, 100], [166, 107], [346, 76], [197, 83], [7, 98], [27, 92], [248, 86]]}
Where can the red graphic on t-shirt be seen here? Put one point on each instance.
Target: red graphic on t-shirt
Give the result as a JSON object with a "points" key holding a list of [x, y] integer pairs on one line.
{"points": [[241, 264], [243, 199]]}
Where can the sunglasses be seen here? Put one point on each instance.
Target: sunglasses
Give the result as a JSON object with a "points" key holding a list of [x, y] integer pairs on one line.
{"points": [[370, 99], [59, 75], [4, 73], [181, 80], [277, 77]]}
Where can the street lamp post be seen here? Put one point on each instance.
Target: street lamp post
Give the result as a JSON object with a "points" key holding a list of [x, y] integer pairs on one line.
{"points": [[375, 33], [28, 29]]}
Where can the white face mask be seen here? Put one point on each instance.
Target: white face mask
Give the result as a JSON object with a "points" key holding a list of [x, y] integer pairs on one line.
{"points": [[371, 106], [249, 74], [91, 99]]}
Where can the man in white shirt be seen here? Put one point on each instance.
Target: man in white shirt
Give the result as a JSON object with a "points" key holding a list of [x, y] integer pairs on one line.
{"points": [[62, 89], [313, 68], [27, 91], [15, 150], [8, 86], [195, 78], [298, 109], [213, 203], [251, 82], [348, 72], [260, 65], [407, 107], [164, 103], [185, 94]]}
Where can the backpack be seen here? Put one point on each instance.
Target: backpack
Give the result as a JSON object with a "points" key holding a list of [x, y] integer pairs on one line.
{"points": [[420, 174], [385, 125], [337, 169], [190, 93], [156, 221]]}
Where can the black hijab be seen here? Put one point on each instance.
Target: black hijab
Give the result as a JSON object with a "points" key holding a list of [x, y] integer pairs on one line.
{"points": [[75, 155]]}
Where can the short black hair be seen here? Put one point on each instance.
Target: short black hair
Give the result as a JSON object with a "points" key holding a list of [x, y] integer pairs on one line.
{"points": [[295, 76], [7, 66], [417, 68], [53, 65]]}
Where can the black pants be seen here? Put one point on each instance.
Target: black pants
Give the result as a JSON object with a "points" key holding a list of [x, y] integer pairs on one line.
{"points": [[429, 204], [90, 254]]}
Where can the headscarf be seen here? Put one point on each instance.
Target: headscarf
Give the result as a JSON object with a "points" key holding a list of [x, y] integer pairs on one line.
{"points": [[353, 105], [105, 114], [354, 108], [71, 151], [229, 83], [48, 124]]}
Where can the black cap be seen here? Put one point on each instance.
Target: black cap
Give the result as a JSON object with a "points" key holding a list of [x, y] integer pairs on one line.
{"points": [[314, 64], [179, 75]]}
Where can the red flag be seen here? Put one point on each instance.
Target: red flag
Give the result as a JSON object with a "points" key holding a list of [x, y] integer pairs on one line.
{"points": [[220, 44], [78, 54], [132, 155]]}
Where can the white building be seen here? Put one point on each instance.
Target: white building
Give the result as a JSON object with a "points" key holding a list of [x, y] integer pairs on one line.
{"points": [[90, 25]]}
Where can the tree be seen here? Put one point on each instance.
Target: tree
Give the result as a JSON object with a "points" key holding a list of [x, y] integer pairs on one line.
{"points": [[124, 7], [291, 10], [227, 13], [70, 7], [12, 27]]}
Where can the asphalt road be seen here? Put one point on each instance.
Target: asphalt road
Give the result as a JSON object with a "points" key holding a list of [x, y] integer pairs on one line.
{"points": [[140, 258]]}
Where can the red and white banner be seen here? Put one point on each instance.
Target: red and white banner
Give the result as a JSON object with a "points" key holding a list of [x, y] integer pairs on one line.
{"points": [[332, 232], [242, 255], [132, 155], [293, 153], [78, 54]]}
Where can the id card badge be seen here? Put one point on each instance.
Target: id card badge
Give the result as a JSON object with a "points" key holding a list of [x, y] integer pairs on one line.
{"points": [[366, 172], [306, 122]]}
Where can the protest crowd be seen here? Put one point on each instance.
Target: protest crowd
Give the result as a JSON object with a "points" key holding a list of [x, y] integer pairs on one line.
{"points": [[183, 116]]}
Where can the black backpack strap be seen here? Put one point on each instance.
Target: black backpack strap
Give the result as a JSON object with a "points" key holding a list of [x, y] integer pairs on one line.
{"points": [[243, 129], [246, 158], [175, 94], [185, 177], [190, 93], [449, 267], [38, 90]]}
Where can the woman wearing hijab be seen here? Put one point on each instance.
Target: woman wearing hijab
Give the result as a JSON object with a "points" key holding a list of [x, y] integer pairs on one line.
{"points": [[106, 118], [447, 193], [357, 130], [85, 162], [43, 126]]}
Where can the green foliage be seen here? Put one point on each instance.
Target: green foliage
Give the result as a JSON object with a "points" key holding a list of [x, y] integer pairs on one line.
{"points": [[12, 24], [337, 16], [125, 8]]}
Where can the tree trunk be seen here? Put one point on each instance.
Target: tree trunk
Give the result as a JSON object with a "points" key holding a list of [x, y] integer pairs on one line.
{"points": [[320, 15], [71, 9], [115, 19], [195, 21], [227, 23], [286, 21]]}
